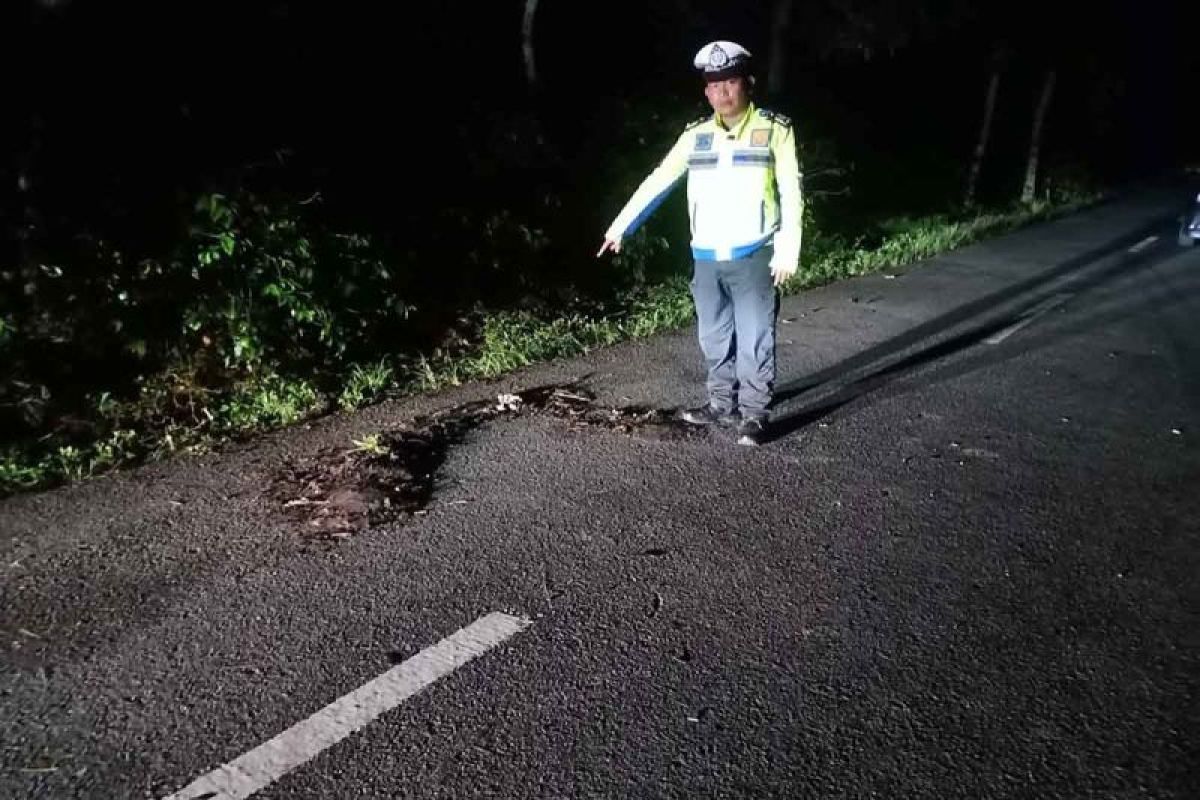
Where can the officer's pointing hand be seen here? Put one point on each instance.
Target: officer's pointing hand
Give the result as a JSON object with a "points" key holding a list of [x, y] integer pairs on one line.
{"points": [[609, 244]]}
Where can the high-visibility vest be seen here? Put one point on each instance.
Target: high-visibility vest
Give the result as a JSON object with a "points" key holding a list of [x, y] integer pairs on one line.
{"points": [[743, 188]]}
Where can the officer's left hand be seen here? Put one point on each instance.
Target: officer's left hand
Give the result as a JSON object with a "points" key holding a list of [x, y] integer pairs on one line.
{"points": [[781, 272]]}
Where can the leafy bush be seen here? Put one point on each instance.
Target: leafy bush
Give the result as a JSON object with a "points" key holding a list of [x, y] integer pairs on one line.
{"points": [[267, 290]]}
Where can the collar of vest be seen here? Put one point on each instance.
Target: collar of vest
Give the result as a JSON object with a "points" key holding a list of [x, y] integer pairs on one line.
{"points": [[714, 122]]}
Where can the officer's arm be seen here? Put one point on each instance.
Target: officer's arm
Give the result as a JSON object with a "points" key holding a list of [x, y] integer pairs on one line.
{"points": [[652, 192], [791, 202]]}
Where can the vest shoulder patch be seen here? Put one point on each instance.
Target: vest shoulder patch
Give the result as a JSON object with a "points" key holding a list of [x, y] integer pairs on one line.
{"points": [[778, 119], [697, 123]]}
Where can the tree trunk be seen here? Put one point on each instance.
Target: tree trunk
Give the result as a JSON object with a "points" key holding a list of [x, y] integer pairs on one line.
{"points": [[781, 18], [1035, 140], [531, 76], [985, 132]]}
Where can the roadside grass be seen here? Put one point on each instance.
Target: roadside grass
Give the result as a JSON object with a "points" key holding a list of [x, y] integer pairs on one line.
{"points": [[515, 339], [173, 415]]}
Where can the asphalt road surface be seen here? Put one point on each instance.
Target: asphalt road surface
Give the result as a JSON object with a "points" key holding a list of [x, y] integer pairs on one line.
{"points": [[966, 567]]}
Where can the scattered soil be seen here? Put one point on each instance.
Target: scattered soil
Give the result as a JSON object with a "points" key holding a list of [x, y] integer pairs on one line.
{"points": [[337, 492]]}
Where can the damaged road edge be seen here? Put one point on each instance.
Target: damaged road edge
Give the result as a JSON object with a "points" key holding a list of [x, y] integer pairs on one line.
{"points": [[392, 474]]}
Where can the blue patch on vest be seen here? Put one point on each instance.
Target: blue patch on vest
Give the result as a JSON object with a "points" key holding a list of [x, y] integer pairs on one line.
{"points": [[704, 141]]}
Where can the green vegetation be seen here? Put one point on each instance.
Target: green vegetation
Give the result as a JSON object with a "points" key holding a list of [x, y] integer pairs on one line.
{"points": [[371, 444], [260, 319]]}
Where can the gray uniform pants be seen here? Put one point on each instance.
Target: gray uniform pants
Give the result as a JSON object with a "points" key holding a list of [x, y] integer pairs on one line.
{"points": [[736, 305]]}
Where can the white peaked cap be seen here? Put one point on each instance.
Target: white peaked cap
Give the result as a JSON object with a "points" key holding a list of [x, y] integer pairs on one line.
{"points": [[721, 59]]}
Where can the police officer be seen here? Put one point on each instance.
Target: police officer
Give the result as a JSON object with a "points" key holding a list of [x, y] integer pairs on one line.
{"points": [[745, 207]]}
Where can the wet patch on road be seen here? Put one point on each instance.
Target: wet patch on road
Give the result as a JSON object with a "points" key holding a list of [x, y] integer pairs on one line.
{"points": [[392, 475]]}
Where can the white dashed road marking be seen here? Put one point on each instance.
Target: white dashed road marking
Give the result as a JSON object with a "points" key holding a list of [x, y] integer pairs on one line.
{"points": [[1143, 244], [269, 761], [1029, 316], [1053, 302]]}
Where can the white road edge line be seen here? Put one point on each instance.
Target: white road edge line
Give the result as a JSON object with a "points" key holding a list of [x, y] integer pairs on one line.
{"points": [[271, 760], [1143, 244], [1035, 312]]}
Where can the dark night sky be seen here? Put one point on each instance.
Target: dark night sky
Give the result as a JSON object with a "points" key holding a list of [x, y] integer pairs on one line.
{"points": [[119, 100]]}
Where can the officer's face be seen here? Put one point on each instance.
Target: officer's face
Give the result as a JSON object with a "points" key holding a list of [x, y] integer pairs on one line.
{"points": [[729, 97]]}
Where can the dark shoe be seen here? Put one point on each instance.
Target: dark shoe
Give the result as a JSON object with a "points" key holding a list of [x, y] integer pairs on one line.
{"points": [[707, 415], [751, 431]]}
